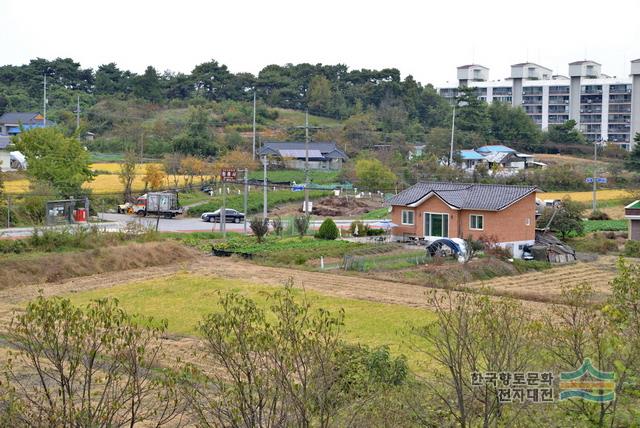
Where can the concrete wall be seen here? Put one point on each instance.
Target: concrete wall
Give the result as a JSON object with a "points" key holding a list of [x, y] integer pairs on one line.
{"points": [[635, 106], [574, 99], [516, 92]]}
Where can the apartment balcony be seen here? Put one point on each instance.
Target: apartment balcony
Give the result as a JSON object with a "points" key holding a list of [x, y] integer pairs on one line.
{"points": [[620, 108], [617, 99], [620, 89]]}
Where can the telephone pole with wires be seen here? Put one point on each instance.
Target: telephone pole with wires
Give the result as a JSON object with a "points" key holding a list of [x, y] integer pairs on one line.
{"points": [[306, 128]]}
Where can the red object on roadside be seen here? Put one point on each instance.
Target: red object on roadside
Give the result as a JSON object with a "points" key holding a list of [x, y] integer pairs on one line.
{"points": [[80, 215]]}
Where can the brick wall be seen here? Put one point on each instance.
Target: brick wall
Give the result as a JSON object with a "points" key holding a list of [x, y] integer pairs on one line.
{"points": [[508, 225]]}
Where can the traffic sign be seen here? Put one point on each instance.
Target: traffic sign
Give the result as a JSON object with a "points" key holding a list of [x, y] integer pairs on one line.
{"points": [[228, 174], [598, 179]]}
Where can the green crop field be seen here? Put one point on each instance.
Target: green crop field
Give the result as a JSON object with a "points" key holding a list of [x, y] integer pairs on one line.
{"points": [[184, 299], [605, 225]]}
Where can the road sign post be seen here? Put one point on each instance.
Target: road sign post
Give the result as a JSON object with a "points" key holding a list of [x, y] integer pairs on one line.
{"points": [[226, 174]]}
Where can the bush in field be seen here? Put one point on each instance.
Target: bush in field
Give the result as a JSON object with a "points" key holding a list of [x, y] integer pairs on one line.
{"points": [[301, 224], [632, 249], [363, 229], [276, 223], [328, 230], [599, 215], [260, 227]]}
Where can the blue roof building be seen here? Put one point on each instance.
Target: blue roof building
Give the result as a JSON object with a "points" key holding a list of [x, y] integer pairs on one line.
{"points": [[495, 149]]}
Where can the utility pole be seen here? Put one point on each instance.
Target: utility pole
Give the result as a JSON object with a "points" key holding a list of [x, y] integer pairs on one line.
{"points": [[254, 124], [264, 187], [246, 195], [45, 101], [223, 210], [595, 160], [306, 162], [78, 113], [453, 126]]}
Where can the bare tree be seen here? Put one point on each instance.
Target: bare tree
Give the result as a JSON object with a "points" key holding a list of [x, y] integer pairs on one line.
{"points": [[301, 224], [474, 333], [90, 366], [128, 173], [277, 368]]}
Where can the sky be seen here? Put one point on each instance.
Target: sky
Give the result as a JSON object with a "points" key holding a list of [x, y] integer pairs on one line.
{"points": [[427, 39]]}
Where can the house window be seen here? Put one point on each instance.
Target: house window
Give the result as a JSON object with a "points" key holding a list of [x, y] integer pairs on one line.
{"points": [[436, 224], [527, 222], [407, 217], [476, 222]]}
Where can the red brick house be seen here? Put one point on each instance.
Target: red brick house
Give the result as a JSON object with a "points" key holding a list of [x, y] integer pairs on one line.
{"points": [[459, 210], [632, 213]]}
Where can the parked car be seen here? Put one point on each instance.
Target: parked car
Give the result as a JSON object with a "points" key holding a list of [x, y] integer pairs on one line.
{"points": [[232, 216]]}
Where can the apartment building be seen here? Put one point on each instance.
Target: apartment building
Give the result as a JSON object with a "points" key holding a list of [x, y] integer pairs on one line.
{"points": [[605, 108]]}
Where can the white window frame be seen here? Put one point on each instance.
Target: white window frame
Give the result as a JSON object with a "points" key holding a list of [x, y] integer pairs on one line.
{"points": [[429, 214], [527, 221], [413, 217], [471, 216]]}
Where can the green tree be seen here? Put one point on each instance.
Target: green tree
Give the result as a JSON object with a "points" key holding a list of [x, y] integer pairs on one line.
{"points": [[565, 134], [513, 127], [472, 114], [374, 175], [632, 163], [360, 132], [196, 139], [328, 230], [565, 219], [147, 86], [55, 159], [320, 95]]}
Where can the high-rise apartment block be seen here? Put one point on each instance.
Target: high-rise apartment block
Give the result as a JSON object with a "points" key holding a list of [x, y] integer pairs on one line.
{"points": [[605, 108]]}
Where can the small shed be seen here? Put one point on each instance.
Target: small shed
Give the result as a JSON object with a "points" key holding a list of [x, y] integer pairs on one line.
{"points": [[549, 248], [632, 213]]}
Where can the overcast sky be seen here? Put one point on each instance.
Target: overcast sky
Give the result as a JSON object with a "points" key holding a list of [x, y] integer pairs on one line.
{"points": [[427, 39]]}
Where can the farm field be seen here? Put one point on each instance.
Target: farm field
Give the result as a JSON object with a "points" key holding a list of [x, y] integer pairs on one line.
{"points": [[547, 285], [104, 183], [587, 196], [185, 298]]}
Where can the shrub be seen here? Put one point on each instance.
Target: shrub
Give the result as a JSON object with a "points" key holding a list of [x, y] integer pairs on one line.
{"points": [[301, 223], [632, 249], [10, 246], [599, 215], [328, 230], [375, 232], [595, 244], [260, 227], [276, 223], [363, 229]]}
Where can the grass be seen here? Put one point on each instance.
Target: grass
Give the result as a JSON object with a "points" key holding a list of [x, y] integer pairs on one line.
{"points": [[605, 225], [376, 214], [184, 299], [289, 175]]}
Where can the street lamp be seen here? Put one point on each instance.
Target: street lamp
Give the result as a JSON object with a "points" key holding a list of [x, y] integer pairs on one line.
{"points": [[453, 127]]}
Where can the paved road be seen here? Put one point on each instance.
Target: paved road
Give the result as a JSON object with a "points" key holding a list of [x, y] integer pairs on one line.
{"points": [[194, 224], [115, 222]]}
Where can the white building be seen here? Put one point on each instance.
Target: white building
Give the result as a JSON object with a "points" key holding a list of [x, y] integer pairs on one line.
{"points": [[605, 108]]}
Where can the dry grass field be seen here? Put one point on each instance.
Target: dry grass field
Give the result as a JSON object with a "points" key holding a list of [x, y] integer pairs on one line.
{"points": [[602, 195], [106, 182]]}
